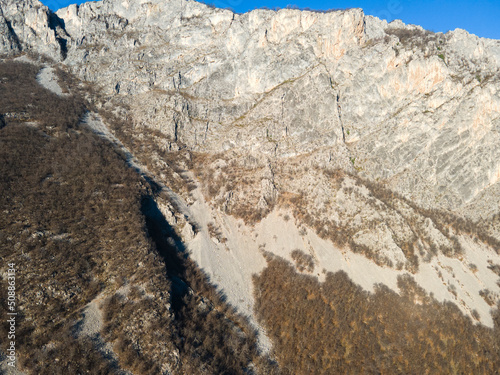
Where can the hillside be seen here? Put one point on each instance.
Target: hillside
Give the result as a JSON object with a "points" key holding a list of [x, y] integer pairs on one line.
{"points": [[103, 284], [285, 191]]}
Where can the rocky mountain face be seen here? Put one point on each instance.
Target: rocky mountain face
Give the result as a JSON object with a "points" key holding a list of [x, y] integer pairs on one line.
{"points": [[30, 25], [398, 99], [415, 109], [368, 147]]}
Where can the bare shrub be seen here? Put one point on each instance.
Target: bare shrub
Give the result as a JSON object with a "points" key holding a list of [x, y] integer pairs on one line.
{"points": [[495, 268], [413, 37], [489, 297], [303, 261]]}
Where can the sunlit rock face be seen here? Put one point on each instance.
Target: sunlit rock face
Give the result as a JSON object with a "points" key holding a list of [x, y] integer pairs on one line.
{"points": [[30, 26], [276, 101], [417, 109]]}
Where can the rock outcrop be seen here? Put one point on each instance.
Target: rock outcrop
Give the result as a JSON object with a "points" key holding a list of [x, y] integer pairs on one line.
{"points": [[272, 104], [28, 25], [416, 109]]}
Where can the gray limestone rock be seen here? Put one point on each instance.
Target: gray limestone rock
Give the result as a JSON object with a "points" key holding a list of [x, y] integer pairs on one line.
{"points": [[28, 25], [417, 109]]}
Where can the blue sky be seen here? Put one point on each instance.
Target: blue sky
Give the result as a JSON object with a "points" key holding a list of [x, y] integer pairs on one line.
{"points": [[480, 17]]}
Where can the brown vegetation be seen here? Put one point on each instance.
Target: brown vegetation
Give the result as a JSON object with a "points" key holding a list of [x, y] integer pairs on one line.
{"points": [[23, 99], [79, 223], [444, 221], [418, 38], [384, 200], [337, 328], [233, 186], [230, 185], [495, 268], [154, 150], [69, 206], [303, 261]]}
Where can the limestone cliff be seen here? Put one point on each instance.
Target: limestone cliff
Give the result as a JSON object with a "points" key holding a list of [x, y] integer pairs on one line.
{"points": [[372, 147], [418, 109]]}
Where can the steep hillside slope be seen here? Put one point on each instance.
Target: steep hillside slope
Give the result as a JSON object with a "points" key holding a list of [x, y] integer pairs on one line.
{"points": [[287, 152], [396, 99], [103, 285]]}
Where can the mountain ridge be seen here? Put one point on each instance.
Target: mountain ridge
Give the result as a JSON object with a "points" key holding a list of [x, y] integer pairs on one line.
{"points": [[422, 75], [334, 141]]}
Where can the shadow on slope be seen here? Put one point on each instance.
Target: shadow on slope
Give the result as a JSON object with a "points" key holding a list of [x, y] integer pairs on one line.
{"points": [[212, 337]]}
